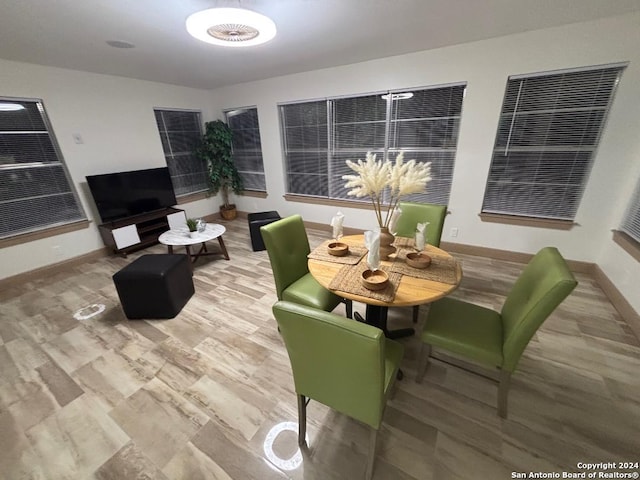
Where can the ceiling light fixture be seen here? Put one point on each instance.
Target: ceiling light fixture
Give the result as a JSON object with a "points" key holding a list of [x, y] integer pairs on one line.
{"points": [[10, 107], [398, 96], [231, 27]]}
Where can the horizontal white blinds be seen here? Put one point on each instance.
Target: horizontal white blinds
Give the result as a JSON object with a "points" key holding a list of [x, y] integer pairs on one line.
{"points": [[549, 129], [305, 140], [247, 148], [181, 133], [426, 126], [320, 136], [35, 190], [631, 223], [358, 126]]}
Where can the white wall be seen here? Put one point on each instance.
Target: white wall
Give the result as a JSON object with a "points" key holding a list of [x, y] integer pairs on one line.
{"points": [[485, 66], [114, 116], [616, 263]]}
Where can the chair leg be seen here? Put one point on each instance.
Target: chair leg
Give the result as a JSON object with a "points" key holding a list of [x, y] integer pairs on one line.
{"points": [[348, 304], [373, 440], [302, 420], [423, 362], [416, 312], [503, 392]]}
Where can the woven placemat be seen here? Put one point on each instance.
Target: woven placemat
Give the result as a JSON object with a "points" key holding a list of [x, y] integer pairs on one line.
{"points": [[348, 280], [442, 269], [351, 258], [401, 251], [403, 242]]}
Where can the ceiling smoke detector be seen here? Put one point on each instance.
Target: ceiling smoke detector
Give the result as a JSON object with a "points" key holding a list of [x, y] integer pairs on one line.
{"points": [[231, 27], [120, 44]]}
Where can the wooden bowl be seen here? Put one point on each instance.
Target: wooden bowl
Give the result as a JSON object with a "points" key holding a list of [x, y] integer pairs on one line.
{"points": [[375, 280], [338, 249], [418, 260]]}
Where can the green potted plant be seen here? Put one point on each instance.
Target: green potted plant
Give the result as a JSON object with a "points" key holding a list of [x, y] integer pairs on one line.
{"points": [[192, 225], [215, 149]]}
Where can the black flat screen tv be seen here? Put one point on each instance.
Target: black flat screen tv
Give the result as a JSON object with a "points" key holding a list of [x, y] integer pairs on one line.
{"points": [[125, 194]]}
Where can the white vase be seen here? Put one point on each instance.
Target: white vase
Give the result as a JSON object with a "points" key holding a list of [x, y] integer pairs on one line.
{"points": [[193, 234]]}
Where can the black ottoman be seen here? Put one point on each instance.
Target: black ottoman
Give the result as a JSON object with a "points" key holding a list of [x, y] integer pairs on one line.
{"points": [[256, 220], [155, 286]]}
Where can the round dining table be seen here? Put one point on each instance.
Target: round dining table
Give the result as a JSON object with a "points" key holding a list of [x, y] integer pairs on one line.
{"points": [[411, 290]]}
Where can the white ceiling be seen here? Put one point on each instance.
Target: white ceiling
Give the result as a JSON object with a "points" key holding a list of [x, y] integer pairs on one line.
{"points": [[312, 34]]}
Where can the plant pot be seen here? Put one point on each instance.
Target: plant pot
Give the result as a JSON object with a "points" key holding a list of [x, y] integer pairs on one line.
{"points": [[228, 213], [386, 239], [193, 234]]}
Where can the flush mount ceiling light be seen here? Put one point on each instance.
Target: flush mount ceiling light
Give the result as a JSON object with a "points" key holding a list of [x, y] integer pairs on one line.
{"points": [[231, 27], [10, 107], [398, 96]]}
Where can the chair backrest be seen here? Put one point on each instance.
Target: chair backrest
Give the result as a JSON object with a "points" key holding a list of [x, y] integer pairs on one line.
{"points": [[544, 283], [288, 246], [335, 361], [414, 213]]}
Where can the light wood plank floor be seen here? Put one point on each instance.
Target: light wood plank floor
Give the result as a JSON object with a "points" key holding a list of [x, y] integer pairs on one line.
{"points": [[202, 396]]}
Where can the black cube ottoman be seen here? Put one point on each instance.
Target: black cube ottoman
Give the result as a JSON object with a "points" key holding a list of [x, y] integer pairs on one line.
{"points": [[155, 286], [256, 220]]}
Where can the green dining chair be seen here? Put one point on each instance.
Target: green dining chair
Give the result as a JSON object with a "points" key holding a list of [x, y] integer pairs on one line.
{"points": [[346, 365], [414, 213], [493, 339], [288, 246]]}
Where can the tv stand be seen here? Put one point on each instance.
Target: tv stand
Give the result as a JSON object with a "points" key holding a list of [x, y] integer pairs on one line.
{"points": [[139, 231]]}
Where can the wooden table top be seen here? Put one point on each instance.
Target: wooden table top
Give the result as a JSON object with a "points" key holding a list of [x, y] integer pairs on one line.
{"points": [[411, 291]]}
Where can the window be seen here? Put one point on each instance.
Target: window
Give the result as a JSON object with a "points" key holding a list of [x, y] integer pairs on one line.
{"points": [[181, 132], [36, 191], [247, 148], [631, 222], [549, 129], [319, 137], [304, 126]]}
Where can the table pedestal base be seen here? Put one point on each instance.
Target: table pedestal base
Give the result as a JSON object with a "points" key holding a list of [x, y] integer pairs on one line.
{"points": [[377, 316]]}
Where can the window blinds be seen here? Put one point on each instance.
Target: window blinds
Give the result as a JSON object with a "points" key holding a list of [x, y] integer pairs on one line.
{"points": [[547, 135], [358, 126], [320, 136], [35, 189], [180, 133], [247, 148], [631, 223], [426, 126], [305, 140]]}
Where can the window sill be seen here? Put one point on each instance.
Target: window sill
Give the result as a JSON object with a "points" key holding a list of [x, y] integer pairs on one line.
{"points": [[44, 233], [527, 221], [191, 197], [628, 244], [254, 193], [328, 201]]}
